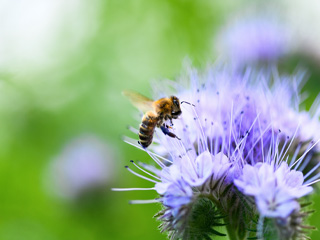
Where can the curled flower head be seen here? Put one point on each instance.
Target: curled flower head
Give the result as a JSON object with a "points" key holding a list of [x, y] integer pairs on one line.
{"points": [[241, 153]]}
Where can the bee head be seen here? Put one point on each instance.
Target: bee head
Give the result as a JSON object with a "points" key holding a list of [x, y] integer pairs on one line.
{"points": [[176, 110]]}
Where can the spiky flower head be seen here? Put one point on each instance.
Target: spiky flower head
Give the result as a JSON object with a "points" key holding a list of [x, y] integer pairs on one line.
{"points": [[241, 158]]}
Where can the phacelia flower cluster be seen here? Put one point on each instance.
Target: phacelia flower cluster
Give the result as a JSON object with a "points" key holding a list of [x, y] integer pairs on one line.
{"points": [[246, 158], [84, 165], [254, 39]]}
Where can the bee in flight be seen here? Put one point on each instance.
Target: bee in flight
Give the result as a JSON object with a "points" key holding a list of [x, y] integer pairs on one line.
{"points": [[156, 112]]}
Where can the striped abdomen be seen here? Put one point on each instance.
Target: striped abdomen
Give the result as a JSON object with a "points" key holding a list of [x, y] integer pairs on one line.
{"points": [[149, 122]]}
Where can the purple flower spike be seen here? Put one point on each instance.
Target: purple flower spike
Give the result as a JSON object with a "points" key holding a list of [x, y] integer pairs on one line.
{"points": [[242, 155]]}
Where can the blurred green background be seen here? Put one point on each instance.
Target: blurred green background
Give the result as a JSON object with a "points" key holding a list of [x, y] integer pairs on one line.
{"points": [[63, 66]]}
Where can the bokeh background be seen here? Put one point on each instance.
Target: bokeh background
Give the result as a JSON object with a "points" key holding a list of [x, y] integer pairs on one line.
{"points": [[63, 65]]}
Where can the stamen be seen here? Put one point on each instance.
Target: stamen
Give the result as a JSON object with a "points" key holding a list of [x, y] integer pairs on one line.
{"points": [[144, 201], [255, 143], [280, 155], [138, 175], [271, 145], [240, 147], [313, 178], [204, 144], [223, 142], [158, 156], [216, 144], [134, 130], [150, 168], [186, 152], [306, 160], [217, 141], [155, 159], [274, 147], [262, 146], [144, 170], [305, 153], [132, 142], [295, 154], [211, 139], [312, 182], [231, 122], [294, 135], [312, 170], [237, 148], [240, 123], [131, 189]]}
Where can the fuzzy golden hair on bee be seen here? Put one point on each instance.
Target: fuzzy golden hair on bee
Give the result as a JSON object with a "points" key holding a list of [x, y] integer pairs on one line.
{"points": [[155, 114]]}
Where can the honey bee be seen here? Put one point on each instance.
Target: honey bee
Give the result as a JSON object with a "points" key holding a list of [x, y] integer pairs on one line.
{"points": [[156, 112]]}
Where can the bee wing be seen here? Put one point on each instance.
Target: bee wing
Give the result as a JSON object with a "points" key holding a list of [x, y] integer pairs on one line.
{"points": [[139, 101]]}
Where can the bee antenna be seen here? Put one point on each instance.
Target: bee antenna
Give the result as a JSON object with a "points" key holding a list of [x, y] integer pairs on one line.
{"points": [[188, 103]]}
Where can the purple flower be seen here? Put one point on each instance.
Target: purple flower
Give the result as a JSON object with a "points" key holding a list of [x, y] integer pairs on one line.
{"points": [[275, 188], [83, 164], [254, 39], [245, 132], [186, 173], [232, 109]]}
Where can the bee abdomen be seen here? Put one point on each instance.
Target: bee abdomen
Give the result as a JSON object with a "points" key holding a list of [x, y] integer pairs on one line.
{"points": [[147, 129]]}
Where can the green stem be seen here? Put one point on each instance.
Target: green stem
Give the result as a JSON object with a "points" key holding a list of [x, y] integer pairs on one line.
{"points": [[231, 233], [230, 229]]}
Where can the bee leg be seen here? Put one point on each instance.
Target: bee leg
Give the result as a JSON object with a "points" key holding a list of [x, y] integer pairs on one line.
{"points": [[160, 122], [166, 131], [170, 118], [171, 122]]}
